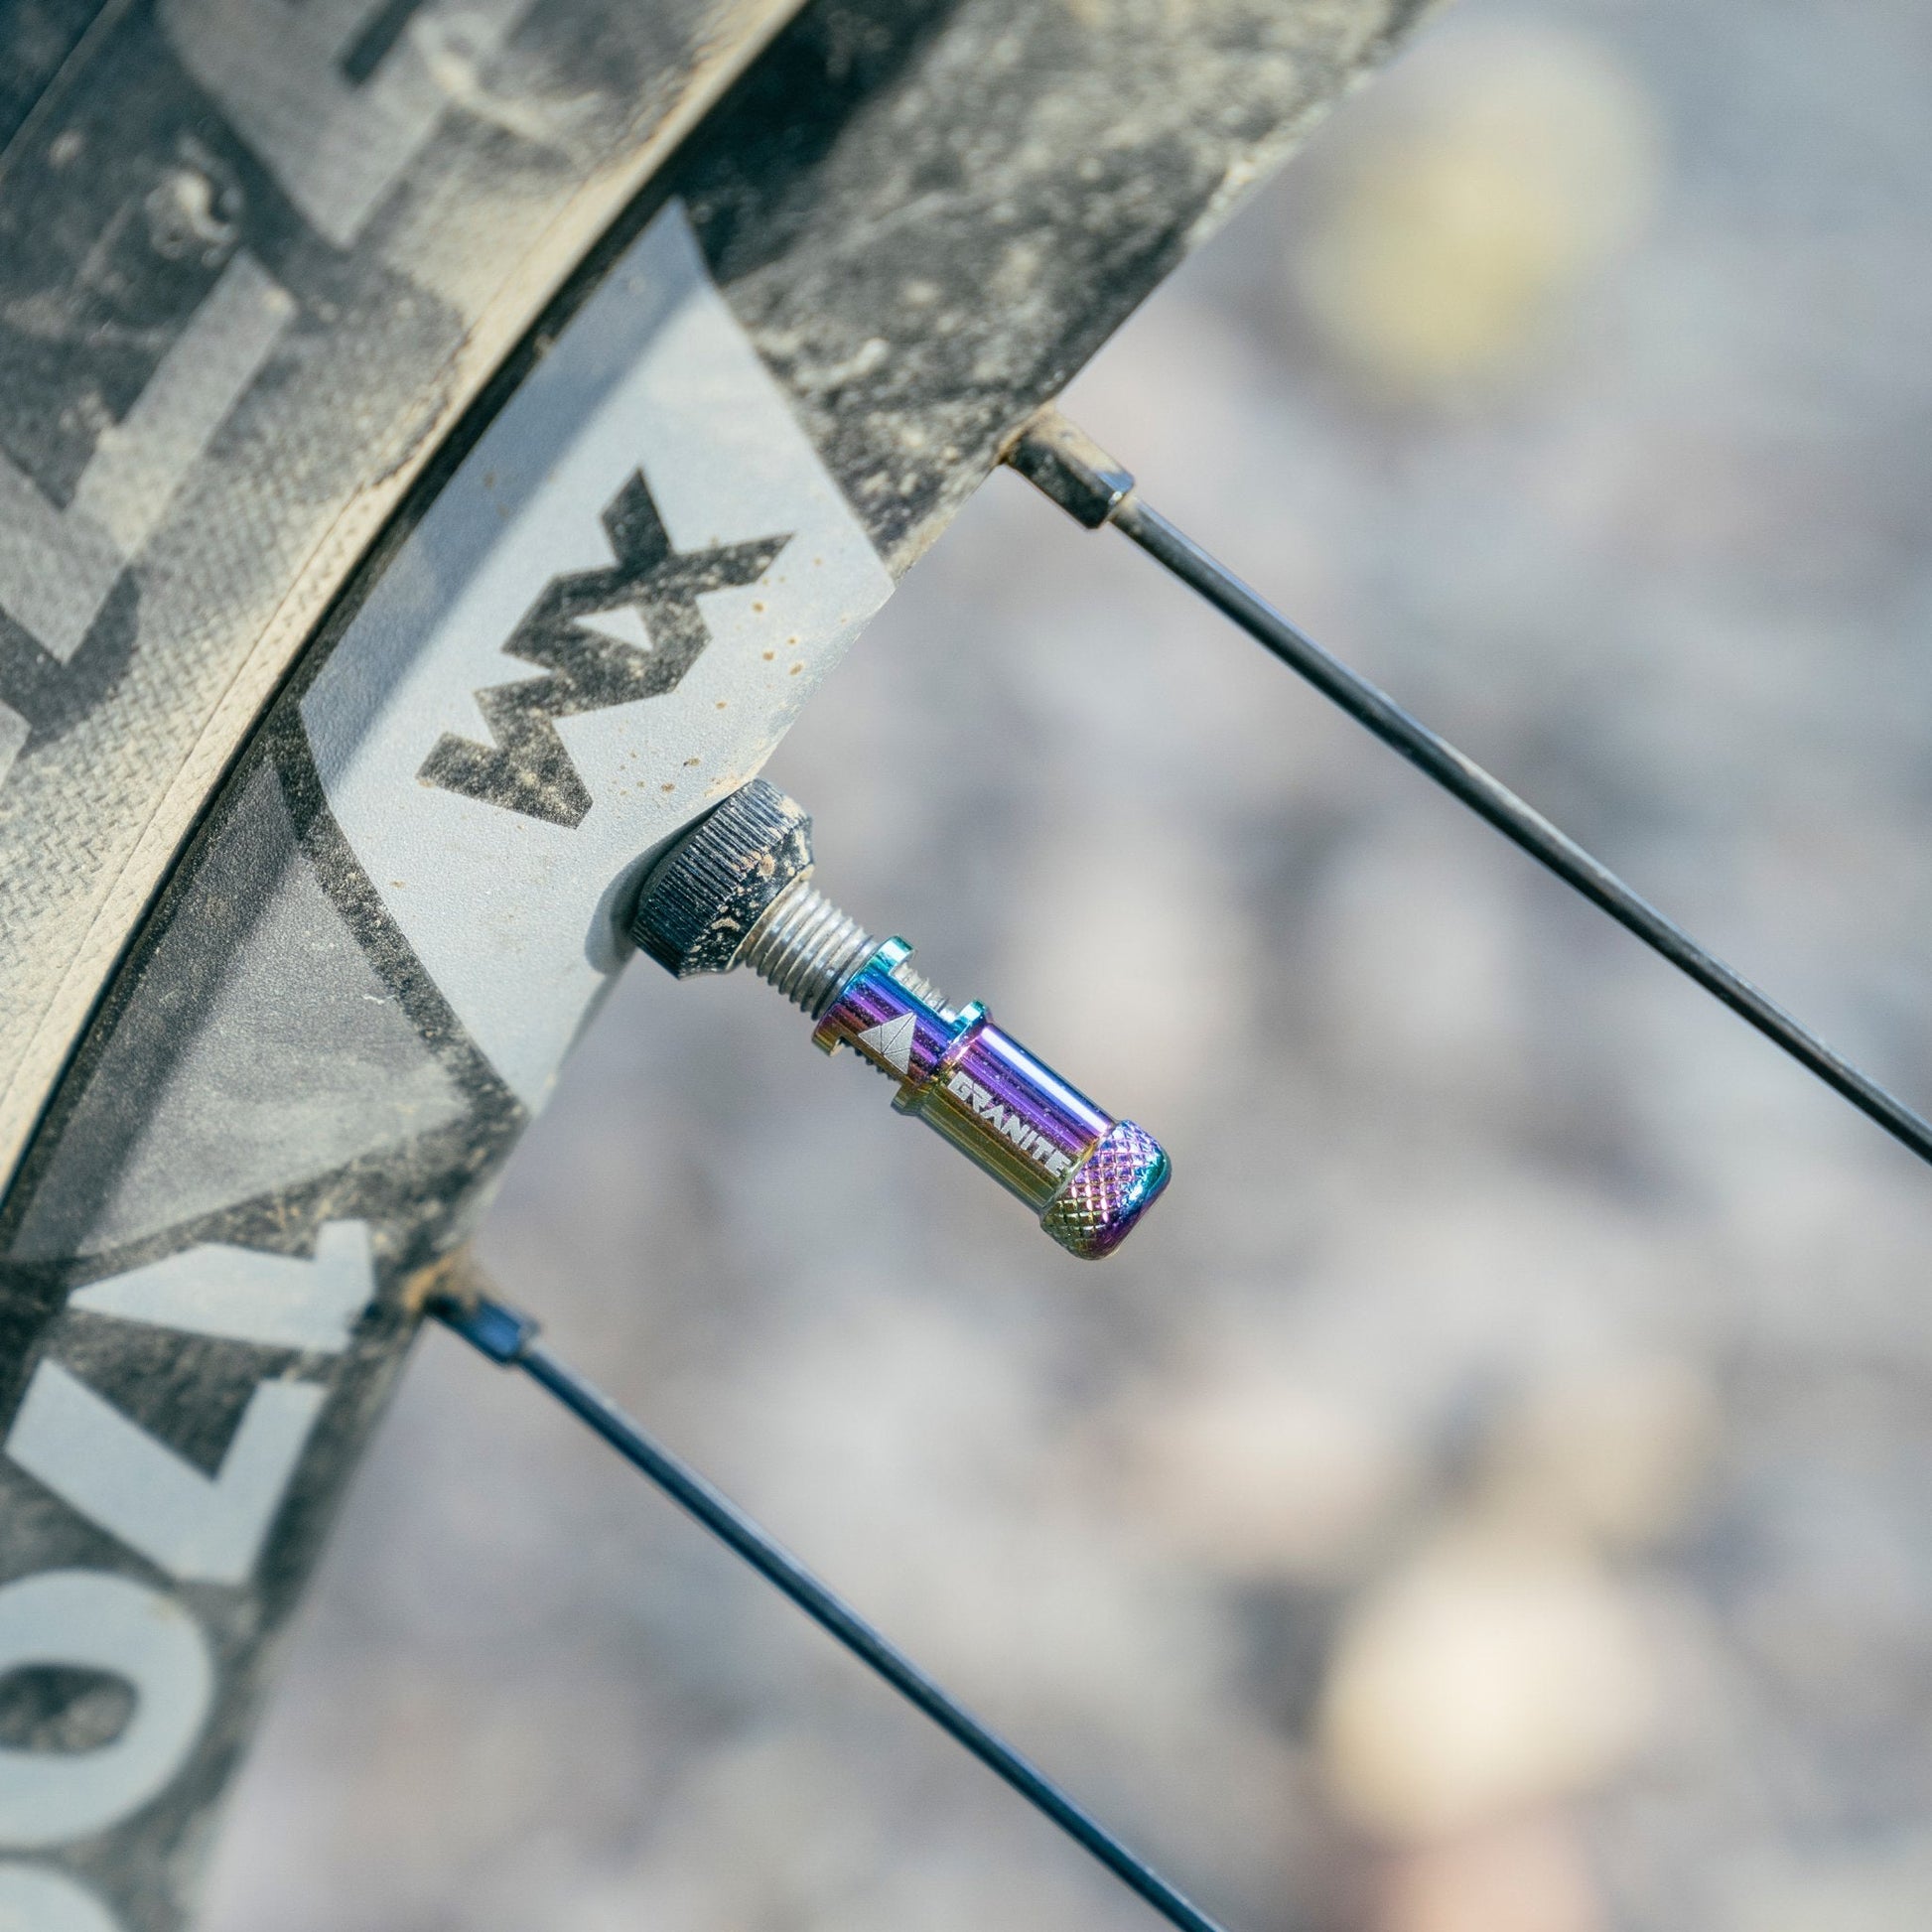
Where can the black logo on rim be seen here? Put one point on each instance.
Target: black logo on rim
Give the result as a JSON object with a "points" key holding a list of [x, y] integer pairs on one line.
{"points": [[527, 769]]}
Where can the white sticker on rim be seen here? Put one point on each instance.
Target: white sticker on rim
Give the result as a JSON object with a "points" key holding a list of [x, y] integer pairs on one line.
{"points": [[603, 625]]}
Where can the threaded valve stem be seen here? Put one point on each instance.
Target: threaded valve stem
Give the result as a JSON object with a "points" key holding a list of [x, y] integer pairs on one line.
{"points": [[805, 947]]}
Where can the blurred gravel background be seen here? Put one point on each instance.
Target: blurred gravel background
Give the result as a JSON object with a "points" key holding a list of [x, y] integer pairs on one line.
{"points": [[1494, 1492]]}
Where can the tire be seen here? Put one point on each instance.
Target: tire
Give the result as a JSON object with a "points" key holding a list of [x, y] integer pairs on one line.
{"points": [[346, 351]]}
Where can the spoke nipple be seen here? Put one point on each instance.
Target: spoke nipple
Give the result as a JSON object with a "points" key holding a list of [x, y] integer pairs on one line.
{"points": [[1062, 461], [736, 889], [503, 1333]]}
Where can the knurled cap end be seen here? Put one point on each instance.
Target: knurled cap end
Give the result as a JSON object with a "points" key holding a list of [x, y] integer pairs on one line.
{"points": [[708, 892], [1104, 1198]]}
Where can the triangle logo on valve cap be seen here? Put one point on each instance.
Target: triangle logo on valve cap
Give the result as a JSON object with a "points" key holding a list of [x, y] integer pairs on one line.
{"points": [[890, 1041]]}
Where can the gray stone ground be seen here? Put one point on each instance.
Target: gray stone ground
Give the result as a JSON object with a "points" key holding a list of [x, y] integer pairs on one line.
{"points": [[1493, 1491]]}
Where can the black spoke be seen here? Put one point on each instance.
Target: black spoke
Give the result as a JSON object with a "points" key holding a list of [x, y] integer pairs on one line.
{"points": [[1094, 489], [509, 1337]]}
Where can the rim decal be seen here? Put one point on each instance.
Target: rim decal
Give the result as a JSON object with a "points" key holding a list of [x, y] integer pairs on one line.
{"points": [[653, 405]]}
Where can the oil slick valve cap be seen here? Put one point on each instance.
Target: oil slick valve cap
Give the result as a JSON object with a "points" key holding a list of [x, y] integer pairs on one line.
{"points": [[736, 889]]}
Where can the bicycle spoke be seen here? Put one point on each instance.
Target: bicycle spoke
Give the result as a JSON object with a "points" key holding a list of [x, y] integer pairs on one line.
{"points": [[1091, 486], [509, 1337]]}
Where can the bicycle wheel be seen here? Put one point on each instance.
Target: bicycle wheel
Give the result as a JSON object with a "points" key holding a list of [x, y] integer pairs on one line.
{"points": [[338, 340], [1487, 1491]]}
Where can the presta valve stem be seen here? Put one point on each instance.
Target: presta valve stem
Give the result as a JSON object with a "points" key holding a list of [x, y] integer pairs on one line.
{"points": [[736, 890]]}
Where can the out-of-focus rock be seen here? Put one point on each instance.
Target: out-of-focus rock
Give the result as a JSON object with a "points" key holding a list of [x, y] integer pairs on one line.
{"points": [[1530, 1875], [1490, 1674], [1476, 208], [1259, 1475], [1617, 1453], [775, 1813]]}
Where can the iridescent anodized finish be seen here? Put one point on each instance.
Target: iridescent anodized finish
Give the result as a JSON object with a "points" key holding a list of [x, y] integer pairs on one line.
{"points": [[736, 889], [1088, 1176]]}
